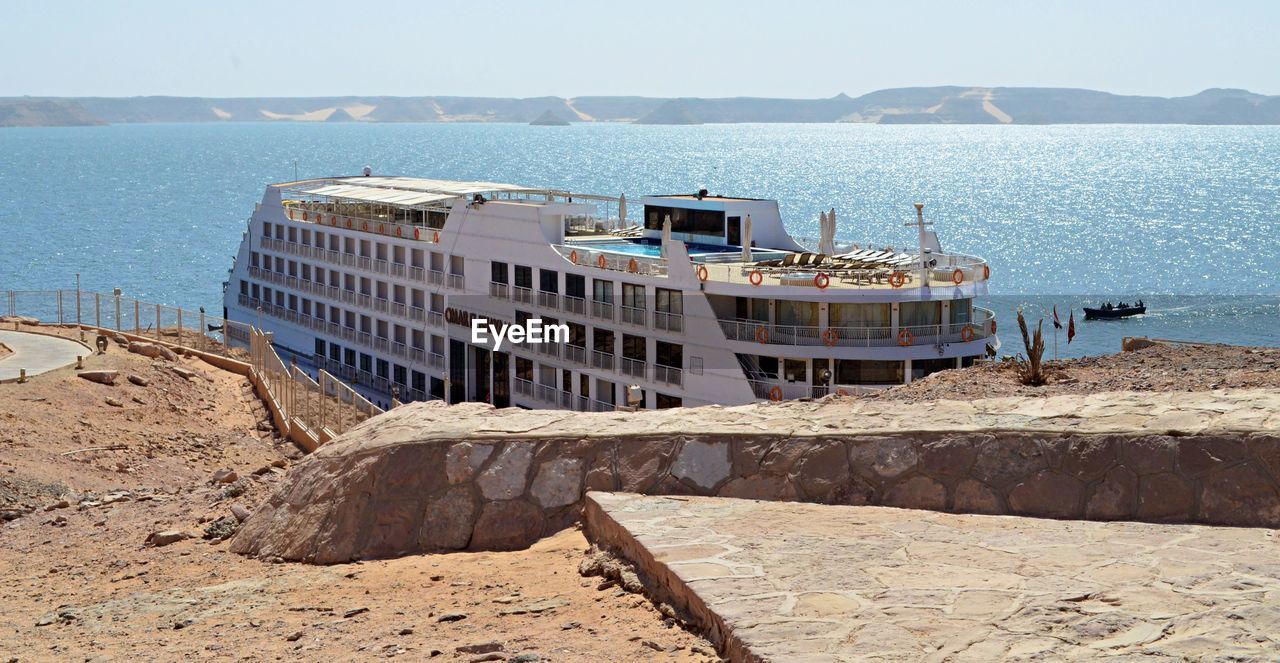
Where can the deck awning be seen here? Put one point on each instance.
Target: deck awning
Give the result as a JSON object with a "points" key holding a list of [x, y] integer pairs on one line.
{"points": [[397, 197]]}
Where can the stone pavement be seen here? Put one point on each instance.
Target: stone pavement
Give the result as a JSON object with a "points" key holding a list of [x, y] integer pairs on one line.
{"points": [[37, 353], [773, 581]]}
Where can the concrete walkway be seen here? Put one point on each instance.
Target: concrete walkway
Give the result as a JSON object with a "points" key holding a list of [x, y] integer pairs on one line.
{"points": [[777, 581], [37, 353]]}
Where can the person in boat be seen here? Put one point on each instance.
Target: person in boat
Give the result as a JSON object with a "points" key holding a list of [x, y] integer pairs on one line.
{"points": [[1140, 304]]}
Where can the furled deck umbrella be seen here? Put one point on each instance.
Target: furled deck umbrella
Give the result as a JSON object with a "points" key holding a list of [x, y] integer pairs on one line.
{"points": [[827, 242], [622, 211], [666, 234], [746, 239]]}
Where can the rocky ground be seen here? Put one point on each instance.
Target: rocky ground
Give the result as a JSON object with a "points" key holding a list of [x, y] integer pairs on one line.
{"points": [[1157, 368], [114, 501]]}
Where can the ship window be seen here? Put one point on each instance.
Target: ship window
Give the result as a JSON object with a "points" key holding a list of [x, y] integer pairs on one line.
{"points": [[849, 371], [349, 357], [320, 347], [664, 401], [498, 272], [604, 391], [306, 272], [548, 280], [801, 314], [253, 258], [751, 308], [293, 235], [306, 237], [366, 363], [279, 265], [524, 277], [916, 314], [634, 347], [256, 294], [306, 306], [668, 301], [546, 375], [795, 370], [319, 237], [602, 290], [293, 268], [419, 381], [961, 311], [402, 375], [381, 249], [279, 231], [670, 354], [577, 334], [457, 265], [419, 339], [861, 315], [384, 368], [266, 229], [244, 287], [575, 285], [602, 340], [769, 366], [293, 302], [335, 352], [524, 369], [924, 367], [633, 295]]}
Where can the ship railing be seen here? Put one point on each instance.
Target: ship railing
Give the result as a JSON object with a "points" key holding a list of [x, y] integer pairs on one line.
{"points": [[379, 304], [546, 392], [980, 326], [776, 390], [435, 277], [381, 343], [524, 387], [522, 295], [584, 404], [576, 354], [636, 368], [668, 374], [381, 266], [566, 400], [435, 360], [950, 270], [456, 282], [417, 313], [668, 321], [417, 274], [498, 290], [602, 310], [632, 315], [617, 262], [549, 349], [418, 355], [399, 309], [323, 214], [549, 300], [602, 360], [399, 269], [602, 406], [435, 318], [575, 305]]}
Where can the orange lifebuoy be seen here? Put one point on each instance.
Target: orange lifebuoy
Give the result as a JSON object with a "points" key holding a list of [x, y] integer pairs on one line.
{"points": [[755, 277], [775, 394], [633, 266], [896, 279], [333, 220], [762, 335], [290, 215], [382, 229], [399, 231], [966, 334], [993, 325], [830, 337], [348, 224], [435, 237], [821, 281], [601, 262], [905, 337], [364, 226], [417, 233], [957, 277], [573, 256], [701, 271], [986, 272]]}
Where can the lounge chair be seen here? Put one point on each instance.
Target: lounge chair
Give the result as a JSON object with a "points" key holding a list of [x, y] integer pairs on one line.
{"points": [[789, 259]]}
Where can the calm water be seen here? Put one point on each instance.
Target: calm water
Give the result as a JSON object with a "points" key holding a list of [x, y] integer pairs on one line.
{"points": [[1184, 217]]}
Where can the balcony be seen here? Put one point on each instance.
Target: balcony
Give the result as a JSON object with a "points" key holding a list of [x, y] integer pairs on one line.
{"points": [[980, 327], [435, 318], [498, 290], [549, 300], [632, 315], [575, 305], [435, 277], [602, 360], [547, 393], [524, 387], [435, 360], [522, 295], [634, 367], [456, 282], [668, 374], [602, 310], [576, 354], [601, 406], [673, 322]]}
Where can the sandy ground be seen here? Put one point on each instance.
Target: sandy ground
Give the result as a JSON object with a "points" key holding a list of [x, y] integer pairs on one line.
{"points": [[80, 583], [1159, 368]]}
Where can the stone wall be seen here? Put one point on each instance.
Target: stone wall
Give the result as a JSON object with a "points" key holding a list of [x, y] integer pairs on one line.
{"points": [[380, 492]]}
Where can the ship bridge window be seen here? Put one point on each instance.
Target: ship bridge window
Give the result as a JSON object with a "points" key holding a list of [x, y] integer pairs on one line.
{"points": [[524, 277], [548, 280], [961, 311], [850, 371], [692, 221]]}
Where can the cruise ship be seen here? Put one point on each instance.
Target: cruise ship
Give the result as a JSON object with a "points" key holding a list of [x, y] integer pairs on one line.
{"points": [[691, 299]]}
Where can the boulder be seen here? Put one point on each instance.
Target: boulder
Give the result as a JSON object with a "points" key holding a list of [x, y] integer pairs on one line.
{"points": [[152, 350], [101, 377], [224, 476], [703, 464], [139, 380], [167, 537]]}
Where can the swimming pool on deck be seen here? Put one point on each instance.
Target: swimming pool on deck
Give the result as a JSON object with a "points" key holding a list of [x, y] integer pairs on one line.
{"points": [[652, 248]]}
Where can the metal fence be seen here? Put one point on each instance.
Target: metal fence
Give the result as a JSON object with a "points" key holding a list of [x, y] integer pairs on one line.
{"points": [[317, 408]]}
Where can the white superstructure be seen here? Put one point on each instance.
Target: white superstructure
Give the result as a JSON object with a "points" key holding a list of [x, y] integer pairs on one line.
{"points": [[378, 279]]}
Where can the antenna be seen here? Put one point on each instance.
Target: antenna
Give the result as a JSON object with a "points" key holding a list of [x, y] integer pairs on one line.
{"points": [[921, 226]]}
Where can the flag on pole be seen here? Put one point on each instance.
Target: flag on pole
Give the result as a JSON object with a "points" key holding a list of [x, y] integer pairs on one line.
{"points": [[1057, 324], [1071, 327]]}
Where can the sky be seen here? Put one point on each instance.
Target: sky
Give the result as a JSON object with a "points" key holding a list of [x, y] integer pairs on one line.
{"points": [[801, 49]]}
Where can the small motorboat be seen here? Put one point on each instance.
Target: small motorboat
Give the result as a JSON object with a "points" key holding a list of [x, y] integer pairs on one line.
{"points": [[1112, 312]]}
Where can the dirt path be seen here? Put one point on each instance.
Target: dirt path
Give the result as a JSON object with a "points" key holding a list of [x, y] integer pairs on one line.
{"points": [[84, 483]]}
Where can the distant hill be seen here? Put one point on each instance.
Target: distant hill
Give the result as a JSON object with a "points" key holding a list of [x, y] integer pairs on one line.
{"points": [[549, 118], [921, 105]]}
